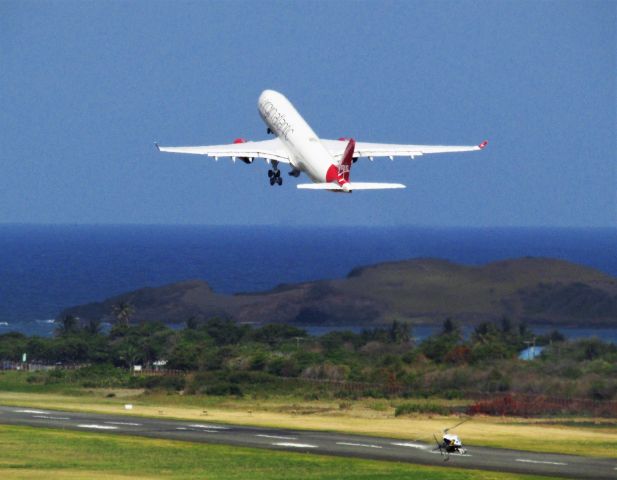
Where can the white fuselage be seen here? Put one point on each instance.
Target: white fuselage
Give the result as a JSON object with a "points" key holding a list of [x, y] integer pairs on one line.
{"points": [[307, 153]]}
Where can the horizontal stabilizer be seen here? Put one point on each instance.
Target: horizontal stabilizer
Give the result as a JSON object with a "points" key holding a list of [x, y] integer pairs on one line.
{"points": [[347, 187]]}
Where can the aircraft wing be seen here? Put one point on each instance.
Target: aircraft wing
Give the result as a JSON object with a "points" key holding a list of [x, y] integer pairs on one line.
{"points": [[268, 149], [350, 186], [370, 150]]}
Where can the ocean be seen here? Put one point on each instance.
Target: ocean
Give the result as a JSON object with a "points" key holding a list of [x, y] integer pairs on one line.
{"points": [[45, 268]]}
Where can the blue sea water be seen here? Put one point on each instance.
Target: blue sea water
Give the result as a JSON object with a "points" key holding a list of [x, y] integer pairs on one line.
{"points": [[44, 269]]}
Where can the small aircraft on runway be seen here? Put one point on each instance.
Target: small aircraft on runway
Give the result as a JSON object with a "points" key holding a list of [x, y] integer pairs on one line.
{"points": [[327, 163], [450, 443]]}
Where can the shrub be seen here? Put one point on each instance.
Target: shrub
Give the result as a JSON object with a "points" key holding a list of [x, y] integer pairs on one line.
{"points": [[284, 367], [497, 381], [223, 388], [425, 407], [259, 362], [165, 383], [458, 355], [602, 390], [275, 333]]}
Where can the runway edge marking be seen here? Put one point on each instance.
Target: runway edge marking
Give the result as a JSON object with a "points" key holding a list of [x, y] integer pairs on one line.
{"points": [[419, 446], [96, 426], [295, 445], [366, 445], [544, 462], [49, 417], [279, 437]]}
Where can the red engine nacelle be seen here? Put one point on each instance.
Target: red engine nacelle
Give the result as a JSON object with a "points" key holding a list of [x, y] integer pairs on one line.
{"points": [[246, 160]]}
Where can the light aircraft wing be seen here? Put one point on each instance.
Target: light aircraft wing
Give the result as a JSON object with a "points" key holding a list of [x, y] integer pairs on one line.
{"points": [[268, 149], [370, 150]]}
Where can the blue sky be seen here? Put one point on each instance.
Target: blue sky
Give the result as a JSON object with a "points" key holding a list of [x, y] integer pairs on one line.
{"points": [[87, 87]]}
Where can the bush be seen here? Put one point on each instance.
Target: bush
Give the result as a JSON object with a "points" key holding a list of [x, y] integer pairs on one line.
{"points": [[223, 388], [224, 332], [259, 362], [284, 367], [497, 381], [490, 351], [55, 376], [602, 390], [425, 407], [165, 383], [275, 333], [436, 347]]}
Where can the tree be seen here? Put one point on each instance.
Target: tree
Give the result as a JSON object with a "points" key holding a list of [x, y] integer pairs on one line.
{"points": [[436, 347], [123, 311], [400, 332], [93, 327], [448, 326], [192, 323], [224, 332], [129, 353], [69, 325], [275, 333]]}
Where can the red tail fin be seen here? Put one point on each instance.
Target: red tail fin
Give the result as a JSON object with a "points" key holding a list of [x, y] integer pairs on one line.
{"points": [[345, 165]]}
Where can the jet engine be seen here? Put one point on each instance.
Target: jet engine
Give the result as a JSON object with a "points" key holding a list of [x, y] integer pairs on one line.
{"points": [[246, 160]]}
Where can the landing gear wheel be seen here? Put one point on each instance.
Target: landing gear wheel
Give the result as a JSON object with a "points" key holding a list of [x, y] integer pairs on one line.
{"points": [[274, 174]]}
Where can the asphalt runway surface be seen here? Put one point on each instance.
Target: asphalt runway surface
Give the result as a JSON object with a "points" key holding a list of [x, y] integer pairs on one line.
{"points": [[315, 442]]}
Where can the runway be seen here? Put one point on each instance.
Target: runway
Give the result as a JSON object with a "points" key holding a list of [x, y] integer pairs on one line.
{"points": [[315, 442]]}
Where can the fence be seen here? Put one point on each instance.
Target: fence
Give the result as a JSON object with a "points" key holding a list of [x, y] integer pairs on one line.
{"points": [[34, 366]]}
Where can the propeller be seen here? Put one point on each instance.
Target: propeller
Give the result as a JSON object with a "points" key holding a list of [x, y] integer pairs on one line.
{"points": [[458, 424], [438, 444]]}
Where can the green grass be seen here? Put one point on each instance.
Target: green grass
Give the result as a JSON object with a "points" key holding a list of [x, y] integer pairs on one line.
{"points": [[54, 454], [541, 435]]}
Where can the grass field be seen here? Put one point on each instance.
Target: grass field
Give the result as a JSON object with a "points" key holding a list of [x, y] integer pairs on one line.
{"points": [[29, 453], [371, 417]]}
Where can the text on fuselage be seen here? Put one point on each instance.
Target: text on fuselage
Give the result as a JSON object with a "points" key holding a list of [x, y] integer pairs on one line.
{"points": [[276, 120]]}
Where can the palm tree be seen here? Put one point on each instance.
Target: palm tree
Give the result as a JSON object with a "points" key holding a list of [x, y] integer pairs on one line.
{"points": [[400, 332], [123, 311], [68, 324], [93, 327]]}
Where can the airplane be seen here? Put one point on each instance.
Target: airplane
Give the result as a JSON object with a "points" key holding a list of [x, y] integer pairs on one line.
{"points": [[327, 163]]}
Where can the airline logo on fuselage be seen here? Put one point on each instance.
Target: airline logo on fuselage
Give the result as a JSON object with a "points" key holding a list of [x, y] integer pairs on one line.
{"points": [[276, 119]]}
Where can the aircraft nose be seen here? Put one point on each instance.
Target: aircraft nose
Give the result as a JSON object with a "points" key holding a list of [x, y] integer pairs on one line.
{"points": [[265, 95]]}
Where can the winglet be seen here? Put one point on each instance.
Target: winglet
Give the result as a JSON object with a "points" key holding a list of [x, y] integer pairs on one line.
{"points": [[157, 146], [483, 144]]}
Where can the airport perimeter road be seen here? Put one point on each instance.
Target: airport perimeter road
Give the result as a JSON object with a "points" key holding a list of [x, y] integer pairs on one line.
{"points": [[325, 443]]}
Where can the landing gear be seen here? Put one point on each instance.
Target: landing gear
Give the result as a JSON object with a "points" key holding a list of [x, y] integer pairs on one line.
{"points": [[275, 177], [275, 174]]}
